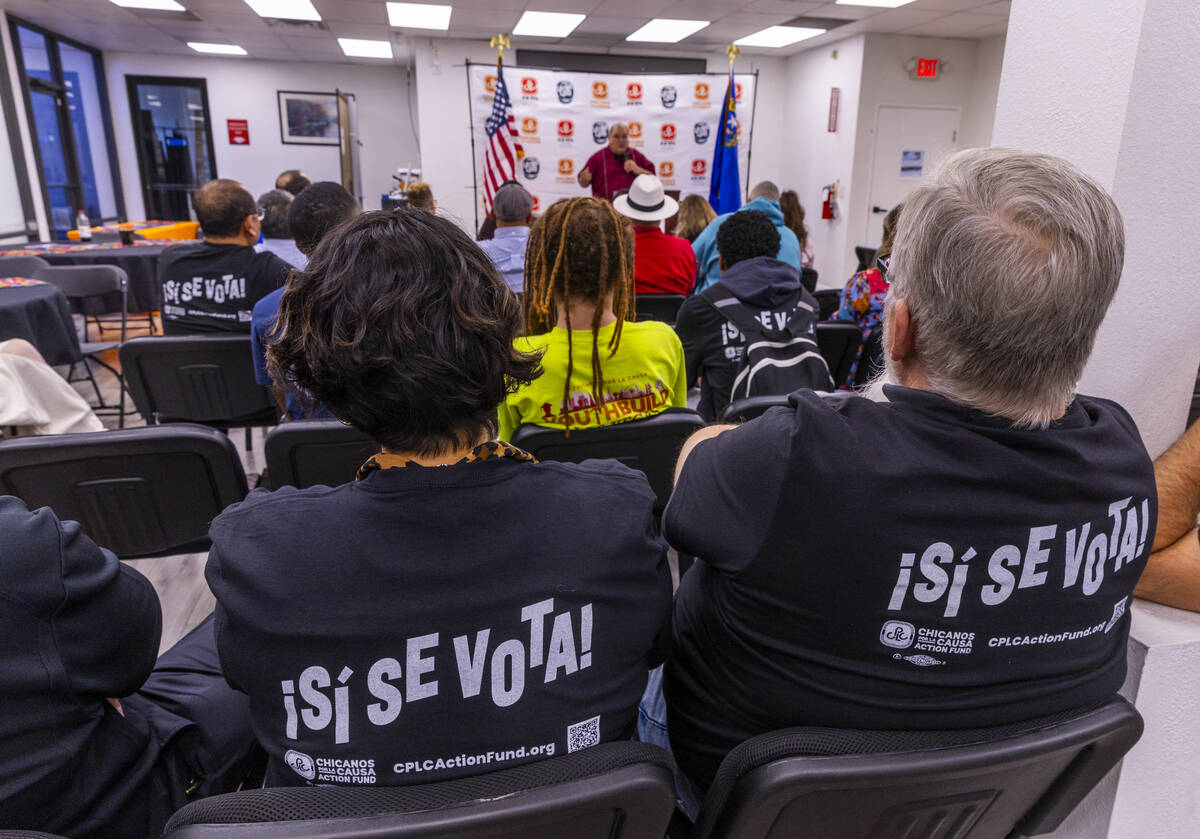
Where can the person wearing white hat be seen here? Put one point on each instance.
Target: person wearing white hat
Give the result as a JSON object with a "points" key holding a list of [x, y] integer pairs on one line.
{"points": [[662, 264]]}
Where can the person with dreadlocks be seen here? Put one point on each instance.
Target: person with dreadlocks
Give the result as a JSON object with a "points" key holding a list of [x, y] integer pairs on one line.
{"points": [[578, 275]]}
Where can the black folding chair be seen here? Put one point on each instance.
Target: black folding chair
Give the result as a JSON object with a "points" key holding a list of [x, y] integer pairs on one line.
{"points": [[650, 445], [866, 257], [624, 790], [22, 266], [1015, 780], [829, 299], [808, 278], [81, 284], [660, 307], [138, 492], [744, 410], [208, 379], [870, 363], [838, 341], [315, 452]]}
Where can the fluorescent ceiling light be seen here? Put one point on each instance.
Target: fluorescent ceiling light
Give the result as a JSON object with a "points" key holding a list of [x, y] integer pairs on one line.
{"points": [[664, 30], [418, 16], [547, 24], [217, 49], [284, 9], [359, 48], [778, 36], [881, 4], [158, 5]]}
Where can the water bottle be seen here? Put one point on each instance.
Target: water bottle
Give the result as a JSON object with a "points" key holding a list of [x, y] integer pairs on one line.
{"points": [[84, 226]]}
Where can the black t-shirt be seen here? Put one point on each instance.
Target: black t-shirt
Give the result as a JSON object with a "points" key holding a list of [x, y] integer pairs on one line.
{"points": [[213, 288], [431, 623], [904, 565]]}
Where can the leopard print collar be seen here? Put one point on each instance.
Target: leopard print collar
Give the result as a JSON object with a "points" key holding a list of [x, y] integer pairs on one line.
{"points": [[490, 450]]}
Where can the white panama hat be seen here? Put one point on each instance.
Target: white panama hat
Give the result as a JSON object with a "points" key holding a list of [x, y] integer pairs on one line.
{"points": [[646, 200]]}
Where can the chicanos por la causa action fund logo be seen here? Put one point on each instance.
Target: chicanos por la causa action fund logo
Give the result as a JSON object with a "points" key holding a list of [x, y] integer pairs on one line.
{"points": [[666, 134], [600, 95], [529, 87], [634, 92], [699, 168], [566, 171], [529, 130], [666, 173], [489, 84], [701, 93], [566, 131], [635, 134]]}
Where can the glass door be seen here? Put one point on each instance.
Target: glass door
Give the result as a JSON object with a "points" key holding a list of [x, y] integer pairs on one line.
{"points": [[68, 110], [171, 129]]}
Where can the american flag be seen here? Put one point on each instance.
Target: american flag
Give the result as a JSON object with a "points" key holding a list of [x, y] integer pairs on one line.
{"points": [[503, 150]]}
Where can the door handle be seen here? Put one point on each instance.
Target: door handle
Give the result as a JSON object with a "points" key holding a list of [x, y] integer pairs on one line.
{"points": [[878, 210]]}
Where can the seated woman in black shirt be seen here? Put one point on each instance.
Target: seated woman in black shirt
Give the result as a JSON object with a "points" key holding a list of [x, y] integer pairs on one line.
{"points": [[460, 608]]}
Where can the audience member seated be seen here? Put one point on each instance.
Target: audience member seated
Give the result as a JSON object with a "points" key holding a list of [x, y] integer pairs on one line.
{"points": [[96, 739], [862, 299], [276, 236], [755, 289], [793, 217], [694, 215], [764, 197], [405, 629], [420, 197], [212, 286], [662, 264], [319, 209], [293, 181], [580, 262], [513, 211], [1172, 574], [961, 554], [36, 400]]}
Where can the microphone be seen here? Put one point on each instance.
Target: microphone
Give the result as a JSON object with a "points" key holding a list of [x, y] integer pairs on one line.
{"points": [[622, 156]]}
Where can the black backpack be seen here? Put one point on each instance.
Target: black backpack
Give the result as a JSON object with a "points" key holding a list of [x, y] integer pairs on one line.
{"points": [[777, 359]]}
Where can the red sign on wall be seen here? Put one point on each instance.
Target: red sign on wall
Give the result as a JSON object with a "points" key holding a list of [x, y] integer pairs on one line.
{"points": [[927, 68], [239, 132]]}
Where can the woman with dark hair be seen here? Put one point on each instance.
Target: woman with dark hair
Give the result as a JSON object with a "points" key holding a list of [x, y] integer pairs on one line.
{"points": [[862, 298], [793, 219], [406, 627], [578, 276]]}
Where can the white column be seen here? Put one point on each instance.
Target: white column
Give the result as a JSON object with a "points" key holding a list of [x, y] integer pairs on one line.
{"points": [[1113, 86]]}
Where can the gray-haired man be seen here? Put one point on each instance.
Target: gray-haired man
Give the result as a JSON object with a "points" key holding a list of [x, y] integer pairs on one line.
{"points": [[959, 554], [513, 209]]}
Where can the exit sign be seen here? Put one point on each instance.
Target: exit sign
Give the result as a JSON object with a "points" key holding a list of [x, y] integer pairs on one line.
{"points": [[927, 68]]}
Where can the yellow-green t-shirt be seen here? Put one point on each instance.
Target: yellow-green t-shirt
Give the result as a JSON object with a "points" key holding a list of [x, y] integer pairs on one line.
{"points": [[645, 377]]}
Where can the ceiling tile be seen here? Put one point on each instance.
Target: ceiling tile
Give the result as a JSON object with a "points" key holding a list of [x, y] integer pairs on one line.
{"points": [[962, 25]]}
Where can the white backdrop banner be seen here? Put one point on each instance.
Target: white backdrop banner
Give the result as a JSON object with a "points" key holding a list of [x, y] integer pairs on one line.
{"points": [[562, 118]]}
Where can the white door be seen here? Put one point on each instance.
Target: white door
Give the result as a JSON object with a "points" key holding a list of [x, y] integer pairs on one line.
{"points": [[909, 143]]}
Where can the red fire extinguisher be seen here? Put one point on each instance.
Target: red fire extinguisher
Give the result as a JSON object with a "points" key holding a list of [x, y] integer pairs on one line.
{"points": [[829, 201]]}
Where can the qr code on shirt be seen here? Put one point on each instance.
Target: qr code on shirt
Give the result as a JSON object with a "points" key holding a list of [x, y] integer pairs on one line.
{"points": [[583, 734]]}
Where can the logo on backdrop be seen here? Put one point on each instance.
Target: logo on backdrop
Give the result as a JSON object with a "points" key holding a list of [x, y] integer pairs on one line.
{"points": [[566, 130], [600, 95], [565, 91], [566, 171], [529, 130], [668, 94], [537, 205], [700, 132], [737, 91], [702, 91], [633, 92], [699, 168], [666, 134], [600, 132], [489, 84], [530, 167], [529, 87], [666, 173], [635, 134]]}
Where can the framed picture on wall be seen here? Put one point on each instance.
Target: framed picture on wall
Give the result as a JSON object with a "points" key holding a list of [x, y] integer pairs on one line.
{"points": [[307, 118]]}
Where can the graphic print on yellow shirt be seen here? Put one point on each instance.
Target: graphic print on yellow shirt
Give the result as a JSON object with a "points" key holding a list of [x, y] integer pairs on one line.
{"points": [[643, 378]]}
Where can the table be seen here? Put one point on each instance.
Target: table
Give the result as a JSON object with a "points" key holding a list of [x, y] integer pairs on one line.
{"points": [[145, 229], [39, 313], [139, 261]]}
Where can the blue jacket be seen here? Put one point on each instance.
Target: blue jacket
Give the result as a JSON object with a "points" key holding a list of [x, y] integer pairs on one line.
{"points": [[705, 245]]}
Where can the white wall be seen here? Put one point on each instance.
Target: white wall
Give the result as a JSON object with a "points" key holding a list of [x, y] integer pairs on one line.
{"points": [[246, 89], [815, 157], [980, 111], [444, 118]]}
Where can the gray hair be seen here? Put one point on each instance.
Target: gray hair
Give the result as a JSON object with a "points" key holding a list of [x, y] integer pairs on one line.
{"points": [[765, 189], [275, 205], [1008, 261], [512, 203]]}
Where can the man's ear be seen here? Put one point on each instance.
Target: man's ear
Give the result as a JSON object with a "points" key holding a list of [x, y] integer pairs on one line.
{"points": [[721, 262], [903, 331], [249, 228]]}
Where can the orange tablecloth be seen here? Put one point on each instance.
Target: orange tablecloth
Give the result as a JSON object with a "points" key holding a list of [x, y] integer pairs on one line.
{"points": [[147, 230]]}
